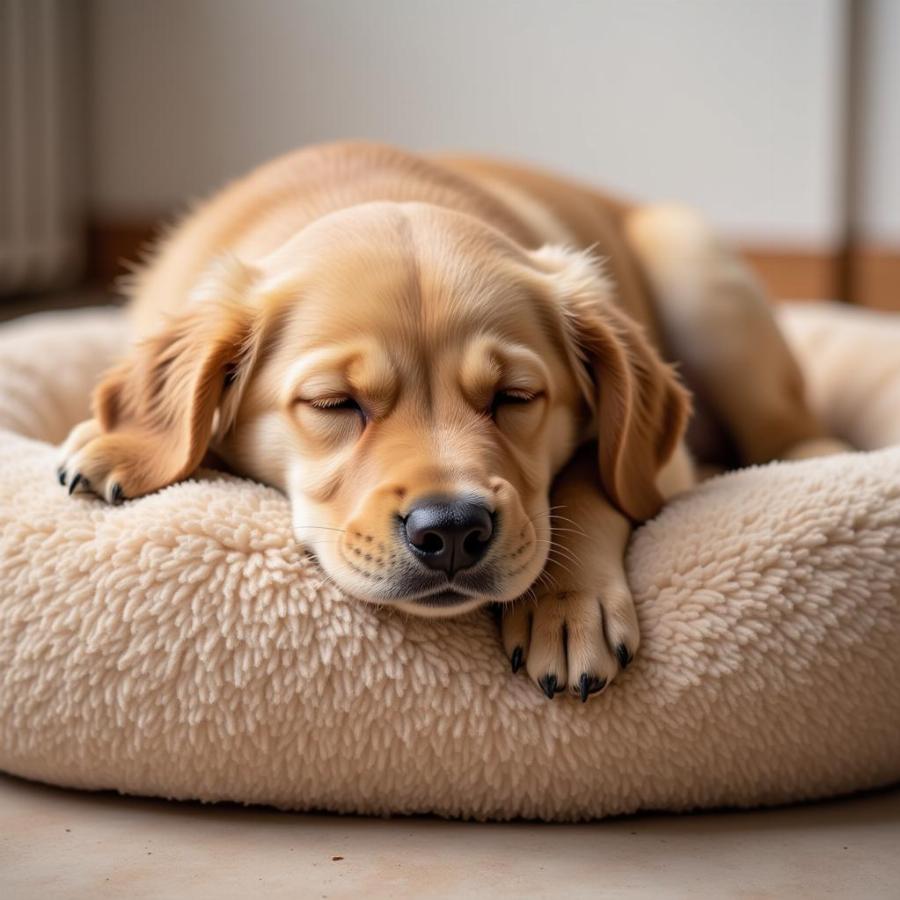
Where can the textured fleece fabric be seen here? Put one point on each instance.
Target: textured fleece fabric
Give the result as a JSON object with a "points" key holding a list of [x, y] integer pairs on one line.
{"points": [[182, 645]]}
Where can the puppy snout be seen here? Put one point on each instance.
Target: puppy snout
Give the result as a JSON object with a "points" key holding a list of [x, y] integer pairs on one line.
{"points": [[449, 535]]}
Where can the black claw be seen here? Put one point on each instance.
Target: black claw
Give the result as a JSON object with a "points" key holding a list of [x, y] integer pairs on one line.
{"points": [[548, 685], [516, 659], [117, 494], [590, 684], [61, 475], [75, 482], [584, 687], [623, 655]]}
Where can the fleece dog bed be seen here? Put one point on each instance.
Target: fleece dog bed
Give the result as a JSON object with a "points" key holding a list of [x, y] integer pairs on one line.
{"points": [[182, 645]]}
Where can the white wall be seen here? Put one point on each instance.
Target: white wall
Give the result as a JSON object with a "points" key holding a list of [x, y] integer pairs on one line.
{"points": [[728, 104], [879, 210]]}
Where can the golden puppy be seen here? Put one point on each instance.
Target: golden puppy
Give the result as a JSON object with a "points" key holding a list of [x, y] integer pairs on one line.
{"points": [[455, 371]]}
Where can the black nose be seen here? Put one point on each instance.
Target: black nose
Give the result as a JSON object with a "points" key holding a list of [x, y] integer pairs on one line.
{"points": [[449, 535]]}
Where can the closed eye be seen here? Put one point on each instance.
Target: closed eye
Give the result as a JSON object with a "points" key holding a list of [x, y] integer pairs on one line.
{"points": [[511, 397], [338, 405], [335, 403]]}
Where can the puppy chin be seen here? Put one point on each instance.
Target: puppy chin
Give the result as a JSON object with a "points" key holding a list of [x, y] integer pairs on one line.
{"points": [[422, 609], [441, 605]]}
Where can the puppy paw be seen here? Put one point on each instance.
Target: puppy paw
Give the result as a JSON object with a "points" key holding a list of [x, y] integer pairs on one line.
{"points": [[114, 466], [572, 640]]}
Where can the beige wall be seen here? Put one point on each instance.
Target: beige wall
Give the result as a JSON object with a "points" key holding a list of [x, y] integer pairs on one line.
{"points": [[728, 104]]}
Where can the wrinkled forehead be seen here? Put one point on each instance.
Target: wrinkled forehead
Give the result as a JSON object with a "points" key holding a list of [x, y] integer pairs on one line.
{"points": [[408, 275]]}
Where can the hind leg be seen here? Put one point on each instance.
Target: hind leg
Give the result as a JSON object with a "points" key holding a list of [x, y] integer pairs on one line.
{"points": [[716, 321]]}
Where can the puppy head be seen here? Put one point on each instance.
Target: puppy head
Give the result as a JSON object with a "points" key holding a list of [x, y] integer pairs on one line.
{"points": [[414, 381]]}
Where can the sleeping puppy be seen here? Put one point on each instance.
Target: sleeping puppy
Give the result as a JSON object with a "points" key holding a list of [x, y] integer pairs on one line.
{"points": [[456, 370]]}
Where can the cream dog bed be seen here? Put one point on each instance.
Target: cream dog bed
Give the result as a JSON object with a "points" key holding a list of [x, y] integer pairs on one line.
{"points": [[182, 645]]}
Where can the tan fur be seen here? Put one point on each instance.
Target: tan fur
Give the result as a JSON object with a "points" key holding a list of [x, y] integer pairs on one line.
{"points": [[423, 292]]}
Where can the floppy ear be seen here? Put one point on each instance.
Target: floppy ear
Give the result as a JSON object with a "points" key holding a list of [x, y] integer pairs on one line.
{"points": [[165, 396], [640, 406]]}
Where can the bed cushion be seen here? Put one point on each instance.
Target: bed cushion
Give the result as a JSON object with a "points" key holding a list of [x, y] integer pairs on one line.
{"points": [[183, 645]]}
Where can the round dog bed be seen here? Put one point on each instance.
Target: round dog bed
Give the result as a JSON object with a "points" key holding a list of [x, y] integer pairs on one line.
{"points": [[183, 645]]}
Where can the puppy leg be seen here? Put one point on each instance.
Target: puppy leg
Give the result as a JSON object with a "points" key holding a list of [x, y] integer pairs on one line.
{"points": [[113, 466], [580, 628], [717, 323]]}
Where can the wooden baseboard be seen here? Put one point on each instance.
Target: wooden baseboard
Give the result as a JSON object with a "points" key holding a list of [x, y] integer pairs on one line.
{"points": [[874, 276], [793, 274], [788, 273]]}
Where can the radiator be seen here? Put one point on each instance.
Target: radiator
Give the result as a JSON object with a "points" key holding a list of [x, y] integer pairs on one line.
{"points": [[41, 158]]}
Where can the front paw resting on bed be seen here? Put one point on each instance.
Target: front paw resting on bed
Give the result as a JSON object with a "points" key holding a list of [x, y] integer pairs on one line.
{"points": [[575, 639], [579, 629], [113, 465]]}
